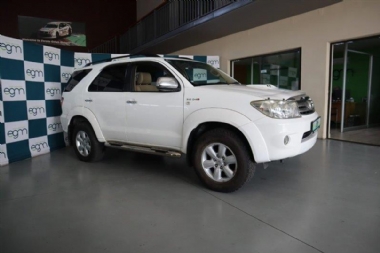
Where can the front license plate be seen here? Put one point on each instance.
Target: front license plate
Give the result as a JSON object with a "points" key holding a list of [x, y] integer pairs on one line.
{"points": [[316, 124]]}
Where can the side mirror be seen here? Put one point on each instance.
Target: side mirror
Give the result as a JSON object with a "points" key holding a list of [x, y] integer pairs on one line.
{"points": [[167, 84]]}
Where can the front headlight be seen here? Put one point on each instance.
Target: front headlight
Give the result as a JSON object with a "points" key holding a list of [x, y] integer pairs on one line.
{"points": [[278, 109]]}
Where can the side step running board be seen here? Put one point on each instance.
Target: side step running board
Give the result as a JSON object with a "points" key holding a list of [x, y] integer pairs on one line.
{"points": [[142, 149]]}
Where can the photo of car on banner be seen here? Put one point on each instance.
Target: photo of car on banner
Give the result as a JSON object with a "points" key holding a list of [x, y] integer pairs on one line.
{"points": [[52, 32]]}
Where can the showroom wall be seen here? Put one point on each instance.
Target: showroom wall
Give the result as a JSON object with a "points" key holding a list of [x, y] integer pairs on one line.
{"points": [[312, 32], [103, 19]]}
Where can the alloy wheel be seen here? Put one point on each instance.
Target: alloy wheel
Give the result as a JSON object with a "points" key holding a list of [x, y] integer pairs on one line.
{"points": [[219, 162]]}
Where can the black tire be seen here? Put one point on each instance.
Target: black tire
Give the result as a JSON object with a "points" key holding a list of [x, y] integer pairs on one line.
{"points": [[243, 169], [70, 32], [57, 35], [96, 151]]}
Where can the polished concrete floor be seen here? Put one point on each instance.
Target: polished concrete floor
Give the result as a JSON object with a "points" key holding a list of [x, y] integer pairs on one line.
{"points": [[368, 135], [327, 200]]}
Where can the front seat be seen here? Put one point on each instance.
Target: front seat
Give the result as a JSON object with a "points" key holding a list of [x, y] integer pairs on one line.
{"points": [[144, 82]]}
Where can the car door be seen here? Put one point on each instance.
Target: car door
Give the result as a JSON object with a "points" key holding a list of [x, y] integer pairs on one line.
{"points": [[105, 98], [154, 117]]}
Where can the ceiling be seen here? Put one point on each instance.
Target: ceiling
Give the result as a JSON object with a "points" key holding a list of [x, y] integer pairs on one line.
{"points": [[250, 15]]}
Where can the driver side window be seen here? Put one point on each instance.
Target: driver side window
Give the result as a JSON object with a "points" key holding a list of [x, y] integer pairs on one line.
{"points": [[146, 75]]}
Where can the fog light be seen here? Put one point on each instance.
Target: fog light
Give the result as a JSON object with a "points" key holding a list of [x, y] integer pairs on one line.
{"points": [[286, 140]]}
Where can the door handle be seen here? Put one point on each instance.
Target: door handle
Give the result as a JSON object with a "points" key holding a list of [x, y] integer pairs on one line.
{"points": [[131, 102], [88, 100]]}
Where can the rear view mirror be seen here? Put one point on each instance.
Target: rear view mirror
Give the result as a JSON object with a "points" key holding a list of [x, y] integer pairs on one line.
{"points": [[167, 84]]}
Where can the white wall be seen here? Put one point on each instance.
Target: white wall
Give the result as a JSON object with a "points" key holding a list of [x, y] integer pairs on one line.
{"points": [[313, 32], [143, 7]]}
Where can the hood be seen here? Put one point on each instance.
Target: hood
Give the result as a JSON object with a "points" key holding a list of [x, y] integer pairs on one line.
{"points": [[261, 91]]}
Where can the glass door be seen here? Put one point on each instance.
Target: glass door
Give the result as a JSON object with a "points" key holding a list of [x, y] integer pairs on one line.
{"points": [[357, 90], [351, 88]]}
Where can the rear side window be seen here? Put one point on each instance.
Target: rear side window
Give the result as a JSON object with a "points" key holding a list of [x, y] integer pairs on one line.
{"points": [[75, 78], [111, 79]]}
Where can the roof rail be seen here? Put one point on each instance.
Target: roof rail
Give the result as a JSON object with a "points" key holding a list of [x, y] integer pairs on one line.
{"points": [[119, 57]]}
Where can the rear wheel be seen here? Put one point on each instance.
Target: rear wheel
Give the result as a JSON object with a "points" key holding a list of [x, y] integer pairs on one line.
{"points": [[222, 161], [86, 145]]}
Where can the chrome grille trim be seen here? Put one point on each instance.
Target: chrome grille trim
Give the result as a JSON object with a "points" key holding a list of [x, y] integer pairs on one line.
{"points": [[305, 104]]}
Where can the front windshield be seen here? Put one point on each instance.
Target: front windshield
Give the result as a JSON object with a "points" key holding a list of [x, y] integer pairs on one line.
{"points": [[199, 73], [50, 26]]}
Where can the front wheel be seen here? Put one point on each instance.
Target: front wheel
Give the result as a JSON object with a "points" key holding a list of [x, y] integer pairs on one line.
{"points": [[86, 146], [222, 161]]}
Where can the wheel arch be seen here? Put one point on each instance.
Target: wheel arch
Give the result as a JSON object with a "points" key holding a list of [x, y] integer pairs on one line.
{"points": [[205, 120], [207, 126], [89, 117]]}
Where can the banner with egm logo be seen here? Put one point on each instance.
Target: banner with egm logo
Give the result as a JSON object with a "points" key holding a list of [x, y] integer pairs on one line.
{"points": [[32, 79]]}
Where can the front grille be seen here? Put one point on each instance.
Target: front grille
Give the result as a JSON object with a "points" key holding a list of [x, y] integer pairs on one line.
{"points": [[305, 105]]}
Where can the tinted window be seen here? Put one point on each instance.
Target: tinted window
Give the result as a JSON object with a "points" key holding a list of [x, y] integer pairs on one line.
{"points": [[111, 79], [75, 78]]}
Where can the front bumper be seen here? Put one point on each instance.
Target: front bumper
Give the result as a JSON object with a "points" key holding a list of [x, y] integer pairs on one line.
{"points": [[266, 137]]}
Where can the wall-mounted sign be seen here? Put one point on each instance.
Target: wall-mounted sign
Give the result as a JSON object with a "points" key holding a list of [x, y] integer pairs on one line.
{"points": [[52, 32]]}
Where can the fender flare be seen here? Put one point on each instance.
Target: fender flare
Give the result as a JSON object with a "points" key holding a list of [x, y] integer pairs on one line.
{"points": [[86, 113], [219, 115]]}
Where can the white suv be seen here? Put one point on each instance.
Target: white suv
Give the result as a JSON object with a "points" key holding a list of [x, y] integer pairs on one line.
{"points": [[175, 106]]}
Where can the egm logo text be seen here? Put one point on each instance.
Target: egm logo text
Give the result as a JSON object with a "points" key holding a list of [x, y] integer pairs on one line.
{"points": [[66, 76], [55, 126], [82, 61], [39, 146], [51, 56], [14, 91], [200, 76], [33, 73], [53, 91], [10, 48], [213, 62], [17, 133], [36, 110]]}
